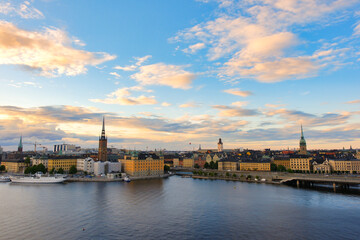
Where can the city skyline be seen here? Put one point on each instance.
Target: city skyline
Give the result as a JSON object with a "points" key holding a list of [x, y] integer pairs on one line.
{"points": [[166, 74]]}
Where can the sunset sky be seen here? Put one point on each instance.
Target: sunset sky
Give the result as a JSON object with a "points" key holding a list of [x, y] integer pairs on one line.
{"points": [[166, 73]]}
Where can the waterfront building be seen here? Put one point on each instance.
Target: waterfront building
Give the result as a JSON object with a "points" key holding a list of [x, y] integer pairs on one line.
{"points": [[14, 165], [357, 154], [228, 164], [85, 165], [102, 155], [39, 160], [220, 146], [321, 166], [283, 161], [300, 163], [188, 163], [345, 165], [178, 162], [248, 165], [303, 150], [143, 164], [64, 163]]}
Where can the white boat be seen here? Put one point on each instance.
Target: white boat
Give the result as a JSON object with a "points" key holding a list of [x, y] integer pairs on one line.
{"points": [[38, 179], [4, 179], [127, 179]]}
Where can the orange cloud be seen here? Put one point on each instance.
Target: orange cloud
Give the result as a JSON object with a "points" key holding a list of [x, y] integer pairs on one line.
{"points": [[49, 51]]}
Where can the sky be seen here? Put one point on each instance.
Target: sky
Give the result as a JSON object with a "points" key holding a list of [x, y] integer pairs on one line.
{"points": [[176, 74]]}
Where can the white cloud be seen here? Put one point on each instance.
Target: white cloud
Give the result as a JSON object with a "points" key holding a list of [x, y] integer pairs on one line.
{"points": [[122, 96], [165, 104], [115, 74], [164, 74], [353, 102], [238, 92], [23, 9], [190, 105], [139, 62], [49, 51], [239, 104], [194, 48]]}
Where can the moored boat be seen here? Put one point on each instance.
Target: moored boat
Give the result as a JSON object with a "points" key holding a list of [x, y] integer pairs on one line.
{"points": [[4, 179], [127, 179], [38, 179]]}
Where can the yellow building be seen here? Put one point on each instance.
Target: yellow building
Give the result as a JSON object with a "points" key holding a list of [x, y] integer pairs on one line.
{"points": [[343, 165], [254, 166], [228, 165], [14, 165], [176, 162], [64, 163], [144, 164], [300, 163], [282, 161], [188, 163]]}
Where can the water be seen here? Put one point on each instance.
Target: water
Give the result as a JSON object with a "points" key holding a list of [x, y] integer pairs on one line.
{"points": [[175, 208]]}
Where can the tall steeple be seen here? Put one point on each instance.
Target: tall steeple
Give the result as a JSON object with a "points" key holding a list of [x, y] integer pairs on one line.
{"points": [[103, 136], [303, 150], [20, 146], [220, 146], [102, 154]]}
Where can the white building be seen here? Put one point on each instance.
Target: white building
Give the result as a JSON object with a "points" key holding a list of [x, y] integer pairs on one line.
{"points": [[114, 167], [106, 167], [64, 148], [85, 165]]}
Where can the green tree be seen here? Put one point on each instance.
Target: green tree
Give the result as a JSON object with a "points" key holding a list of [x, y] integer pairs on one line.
{"points": [[27, 160], [234, 175], [166, 168], [196, 166], [60, 171], [40, 168], [228, 174], [52, 171], [206, 165], [212, 165], [281, 168], [273, 167], [249, 177], [216, 165], [290, 171], [28, 170], [2, 168], [72, 170], [215, 174]]}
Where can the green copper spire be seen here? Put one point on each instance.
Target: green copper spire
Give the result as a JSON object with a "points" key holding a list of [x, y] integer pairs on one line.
{"points": [[302, 139], [20, 143]]}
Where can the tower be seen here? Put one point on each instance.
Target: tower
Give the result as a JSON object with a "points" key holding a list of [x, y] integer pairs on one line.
{"points": [[102, 155], [20, 146], [220, 146], [302, 143]]}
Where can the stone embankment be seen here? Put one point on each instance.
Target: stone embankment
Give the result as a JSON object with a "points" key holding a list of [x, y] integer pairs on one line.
{"points": [[105, 179]]}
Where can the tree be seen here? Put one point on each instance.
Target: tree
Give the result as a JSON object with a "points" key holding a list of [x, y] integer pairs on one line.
{"points": [[60, 171], [281, 168], [206, 165], [290, 171], [212, 165], [72, 170], [273, 167], [196, 166], [166, 168], [228, 174], [234, 175], [216, 165], [27, 160], [40, 168], [52, 171], [2, 168]]}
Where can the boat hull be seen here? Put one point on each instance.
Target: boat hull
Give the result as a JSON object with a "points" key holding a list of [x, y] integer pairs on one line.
{"points": [[42, 180]]}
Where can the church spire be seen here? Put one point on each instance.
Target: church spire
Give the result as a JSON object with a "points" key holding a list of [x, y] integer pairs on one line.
{"points": [[302, 133], [103, 129], [20, 146]]}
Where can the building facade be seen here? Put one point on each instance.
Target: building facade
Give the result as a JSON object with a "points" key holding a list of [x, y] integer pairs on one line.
{"points": [[143, 164], [283, 162], [220, 146], [254, 166], [228, 165], [102, 155], [300, 163], [188, 163], [345, 165], [14, 165], [85, 165], [64, 163]]}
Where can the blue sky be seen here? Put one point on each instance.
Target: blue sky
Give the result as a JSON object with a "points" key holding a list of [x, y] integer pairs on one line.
{"points": [[167, 73]]}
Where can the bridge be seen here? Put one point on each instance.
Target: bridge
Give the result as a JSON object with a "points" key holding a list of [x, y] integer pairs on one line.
{"points": [[343, 182]]}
